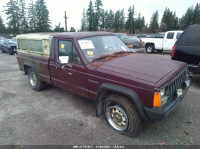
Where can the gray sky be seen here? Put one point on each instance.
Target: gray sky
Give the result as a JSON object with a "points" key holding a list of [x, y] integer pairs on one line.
{"points": [[74, 8]]}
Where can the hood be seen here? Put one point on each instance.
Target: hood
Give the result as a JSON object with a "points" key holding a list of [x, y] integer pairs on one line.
{"points": [[129, 41], [145, 67]]}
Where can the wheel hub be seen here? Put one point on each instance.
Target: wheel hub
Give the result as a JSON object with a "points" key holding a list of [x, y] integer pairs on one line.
{"points": [[117, 117], [33, 79]]}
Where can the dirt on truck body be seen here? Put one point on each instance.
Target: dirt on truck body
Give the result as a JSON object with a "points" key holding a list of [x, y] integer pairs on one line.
{"points": [[128, 88]]}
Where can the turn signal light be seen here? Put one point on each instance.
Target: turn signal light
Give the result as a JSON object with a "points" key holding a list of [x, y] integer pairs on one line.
{"points": [[128, 46], [157, 100]]}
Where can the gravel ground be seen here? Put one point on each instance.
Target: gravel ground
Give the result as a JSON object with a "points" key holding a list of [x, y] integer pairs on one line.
{"points": [[58, 117]]}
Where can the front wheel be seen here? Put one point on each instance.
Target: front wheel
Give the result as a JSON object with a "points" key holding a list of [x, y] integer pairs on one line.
{"points": [[121, 115], [150, 48], [34, 80]]}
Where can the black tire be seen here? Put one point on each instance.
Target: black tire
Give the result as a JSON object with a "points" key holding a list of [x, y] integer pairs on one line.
{"points": [[150, 48], [124, 111], [159, 50], [35, 83], [10, 52], [2, 50]]}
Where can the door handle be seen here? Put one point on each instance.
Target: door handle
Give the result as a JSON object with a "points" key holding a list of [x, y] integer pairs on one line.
{"points": [[63, 68]]}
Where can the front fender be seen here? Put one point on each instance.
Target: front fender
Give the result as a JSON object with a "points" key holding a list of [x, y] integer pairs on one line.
{"points": [[132, 95]]}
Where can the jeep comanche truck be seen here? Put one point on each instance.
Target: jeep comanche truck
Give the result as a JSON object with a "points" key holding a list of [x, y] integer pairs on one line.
{"points": [[128, 88]]}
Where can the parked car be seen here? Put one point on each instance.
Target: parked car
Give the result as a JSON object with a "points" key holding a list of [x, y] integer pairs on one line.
{"points": [[142, 36], [8, 46], [129, 42], [160, 44], [128, 88], [187, 48]]}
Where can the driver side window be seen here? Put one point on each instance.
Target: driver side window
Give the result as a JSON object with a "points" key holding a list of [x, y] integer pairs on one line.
{"points": [[67, 53]]}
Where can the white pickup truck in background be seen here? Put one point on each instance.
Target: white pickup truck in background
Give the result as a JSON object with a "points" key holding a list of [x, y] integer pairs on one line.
{"points": [[160, 44]]}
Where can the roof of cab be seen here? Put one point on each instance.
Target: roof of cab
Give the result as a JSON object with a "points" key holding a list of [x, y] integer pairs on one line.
{"points": [[78, 35], [74, 35]]}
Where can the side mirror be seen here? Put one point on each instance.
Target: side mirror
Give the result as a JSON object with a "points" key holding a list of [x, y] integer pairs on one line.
{"points": [[64, 59]]}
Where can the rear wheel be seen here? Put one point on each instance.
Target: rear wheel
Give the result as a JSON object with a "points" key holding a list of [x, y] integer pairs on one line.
{"points": [[150, 48], [34, 80], [10, 52], [121, 115]]}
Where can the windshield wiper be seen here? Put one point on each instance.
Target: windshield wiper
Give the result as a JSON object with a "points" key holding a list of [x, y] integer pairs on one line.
{"points": [[103, 57], [121, 52]]}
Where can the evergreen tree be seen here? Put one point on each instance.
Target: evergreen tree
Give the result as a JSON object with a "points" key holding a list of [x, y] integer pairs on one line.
{"points": [[90, 16], [154, 23], [12, 10], [117, 21], [103, 18], [130, 21], [110, 20], [196, 14], [122, 20], [187, 19], [58, 28], [42, 16], [32, 17], [84, 21], [23, 20], [2, 26], [98, 14], [72, 29]]}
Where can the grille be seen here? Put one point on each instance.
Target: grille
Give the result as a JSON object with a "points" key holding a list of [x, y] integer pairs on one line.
{"points": [[176, 84]]}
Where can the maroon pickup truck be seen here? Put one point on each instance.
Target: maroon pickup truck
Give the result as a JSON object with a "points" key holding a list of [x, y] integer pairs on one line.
{"points": [[128, 88]]}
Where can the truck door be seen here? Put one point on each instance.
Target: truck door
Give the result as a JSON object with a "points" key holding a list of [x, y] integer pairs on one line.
{"points": [[169, 41], [70, 71]]}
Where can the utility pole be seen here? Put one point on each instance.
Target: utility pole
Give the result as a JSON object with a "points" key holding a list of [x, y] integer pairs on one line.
{"points": [[65, 17]]}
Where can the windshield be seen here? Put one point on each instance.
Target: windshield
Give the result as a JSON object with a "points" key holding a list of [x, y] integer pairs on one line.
{"points": [[124, 36], [95, 47], [14, 39]]}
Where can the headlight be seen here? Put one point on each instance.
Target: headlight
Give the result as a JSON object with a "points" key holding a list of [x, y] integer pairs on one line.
{"points": [[160, 98], [162, 93]]}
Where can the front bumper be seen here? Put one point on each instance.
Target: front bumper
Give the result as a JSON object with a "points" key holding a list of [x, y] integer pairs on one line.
{"points": [[161, 113]]}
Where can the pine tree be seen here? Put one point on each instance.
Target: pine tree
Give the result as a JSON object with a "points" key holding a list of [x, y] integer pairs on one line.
{"points": [[58, 28], [154, 23], [196, 14], [122, 20], [12, 10], [98, 14], [32, 17], [42, 16], [117, 21], [84, 21], [2, 26], [90, 16], [130, 21], [23, 20], [103, 18], [72, 29], [110, 20], [187, 19]]}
